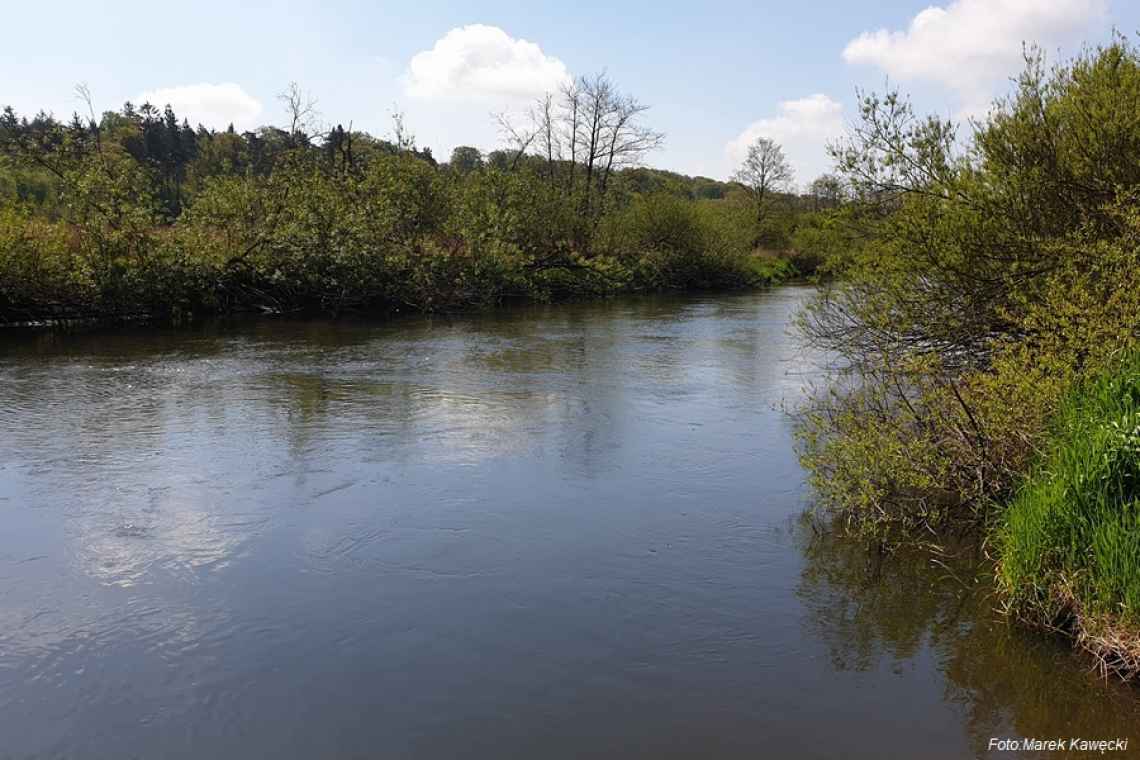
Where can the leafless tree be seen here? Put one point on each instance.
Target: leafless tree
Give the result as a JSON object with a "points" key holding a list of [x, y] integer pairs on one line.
{"points": [[571, 116], [587, 128], [545, 117], [765, 171], [519, 136], [402, 136], [613, 135], [302, 110]]}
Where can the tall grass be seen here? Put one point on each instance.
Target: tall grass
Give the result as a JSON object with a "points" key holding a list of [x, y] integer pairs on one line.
{"points": [[1070, 541]]}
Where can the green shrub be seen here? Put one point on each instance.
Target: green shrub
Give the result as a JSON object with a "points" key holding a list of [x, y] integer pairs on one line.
{"points": [[981, 285], [41, 273], [669, 243], [270, 221]]}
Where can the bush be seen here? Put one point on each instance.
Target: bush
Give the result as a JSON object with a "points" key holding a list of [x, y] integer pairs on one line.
{"points": [[40, 271], [519, 208], [987, 287], [981, 289], [669, 243]]}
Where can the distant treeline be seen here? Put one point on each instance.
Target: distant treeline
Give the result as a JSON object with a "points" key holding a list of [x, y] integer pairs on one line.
{"points": [[136, 212]]}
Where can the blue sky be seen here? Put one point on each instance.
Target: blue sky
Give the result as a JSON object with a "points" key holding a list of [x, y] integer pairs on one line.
{"points": [[716, 75]]}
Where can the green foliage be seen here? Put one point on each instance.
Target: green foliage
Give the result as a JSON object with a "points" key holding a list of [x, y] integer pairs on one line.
{"points": [[32, 187], [647, 181], [466, 159], [519, 208], [1070, 541], [980, 281], [139, 214], [39, 268], [822, 240], [987, 285], [768, 270], [673, 244]]}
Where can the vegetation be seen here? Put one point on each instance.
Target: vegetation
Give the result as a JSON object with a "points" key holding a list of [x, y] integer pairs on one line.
{"points": [[982, 280], [764, 172], [981, 294], [137, 213], [1070, 541]]}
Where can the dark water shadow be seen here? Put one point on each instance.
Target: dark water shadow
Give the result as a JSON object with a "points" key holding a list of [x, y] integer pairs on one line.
{"points": [[875, 610]]}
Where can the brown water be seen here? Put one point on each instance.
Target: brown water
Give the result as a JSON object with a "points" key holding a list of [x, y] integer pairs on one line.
{"points": [[560, 532]]}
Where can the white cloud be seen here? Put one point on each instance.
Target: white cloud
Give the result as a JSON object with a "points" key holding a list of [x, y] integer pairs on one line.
{"points": [[480, 62], [215, 105], [971, 46], [803, 128]]}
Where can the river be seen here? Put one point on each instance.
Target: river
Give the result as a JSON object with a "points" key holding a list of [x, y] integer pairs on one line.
{"points": [[541, 532]]}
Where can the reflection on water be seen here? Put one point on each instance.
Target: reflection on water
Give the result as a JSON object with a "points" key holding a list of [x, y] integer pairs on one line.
{"points": [[556, 531], [882, 612]]}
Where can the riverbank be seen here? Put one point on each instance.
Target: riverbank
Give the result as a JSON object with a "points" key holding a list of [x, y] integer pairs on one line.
{"points": [[980, 317], [131, 215], [1069, 543], [50, 271]]}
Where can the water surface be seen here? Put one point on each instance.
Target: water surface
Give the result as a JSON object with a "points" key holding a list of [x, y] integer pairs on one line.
{"points": [[558, 532]]}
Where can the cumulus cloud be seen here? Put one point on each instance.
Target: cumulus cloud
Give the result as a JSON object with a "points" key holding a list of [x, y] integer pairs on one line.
{"points": [[214, 105], [803, 128], [480, 62], [970, 46]]}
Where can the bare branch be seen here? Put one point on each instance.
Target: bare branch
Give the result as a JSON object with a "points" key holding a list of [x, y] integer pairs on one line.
{"points": [[302, 109], [765, 171]]}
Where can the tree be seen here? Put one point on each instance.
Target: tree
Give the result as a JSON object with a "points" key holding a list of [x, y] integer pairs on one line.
{"points": [[303, 113], [826, 191], [982, 278], [765, 171], [466, 159], [588, 129], [612, 135], [402, 137]]}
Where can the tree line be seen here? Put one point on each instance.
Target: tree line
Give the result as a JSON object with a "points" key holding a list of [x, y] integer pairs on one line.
{"points": [[136, 212]]}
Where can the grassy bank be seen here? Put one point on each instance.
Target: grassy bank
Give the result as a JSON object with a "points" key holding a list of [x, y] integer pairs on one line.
{"points": [[1070, 541]]}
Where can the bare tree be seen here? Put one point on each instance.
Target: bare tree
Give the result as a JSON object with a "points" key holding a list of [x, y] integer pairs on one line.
{"points": [[765, 171], [549, 140], [402, 136], [302, 110], [597, 95], [588, 127], [623, 140], [518, 137], [571, 115]]}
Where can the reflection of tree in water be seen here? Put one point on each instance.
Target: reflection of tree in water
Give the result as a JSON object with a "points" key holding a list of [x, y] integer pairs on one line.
{"points": [[870, 607], [534, 378]]}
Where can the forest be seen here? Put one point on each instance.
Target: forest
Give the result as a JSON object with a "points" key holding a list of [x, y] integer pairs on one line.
{"points": [[136, 213]]}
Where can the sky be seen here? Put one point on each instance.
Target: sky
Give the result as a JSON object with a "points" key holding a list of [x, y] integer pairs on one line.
{"points": [[715, 75]]}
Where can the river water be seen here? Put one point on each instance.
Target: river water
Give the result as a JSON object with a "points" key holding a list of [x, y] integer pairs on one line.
{"points": [[546, 532]]}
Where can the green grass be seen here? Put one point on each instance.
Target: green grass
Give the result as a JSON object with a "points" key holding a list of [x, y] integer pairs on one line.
{"points": [[1070, 541]]}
